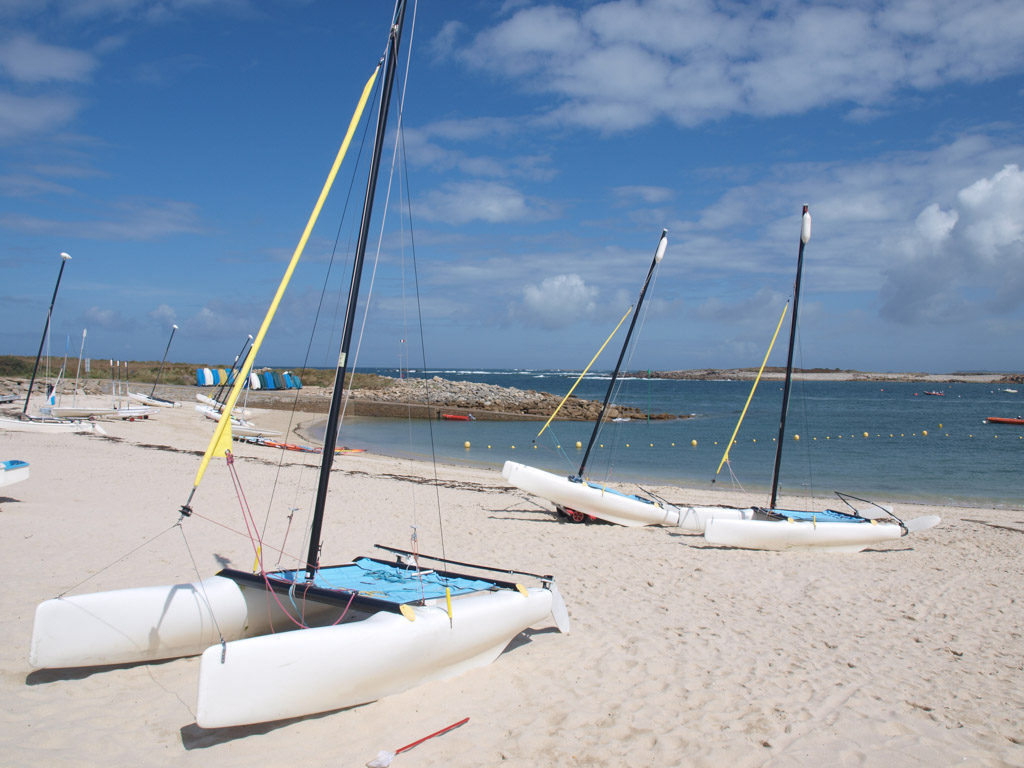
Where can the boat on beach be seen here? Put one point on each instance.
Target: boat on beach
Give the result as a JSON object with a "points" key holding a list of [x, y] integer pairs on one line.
{"points": [[581, 499], [151, 399], [13, 471], [829, 530], [286, 643]]}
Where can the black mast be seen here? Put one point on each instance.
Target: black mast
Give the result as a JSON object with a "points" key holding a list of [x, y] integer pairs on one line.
{"points": [[223, 384], [805, 235], [658, 254], [331, 435], [166, 350], [64, 258]]}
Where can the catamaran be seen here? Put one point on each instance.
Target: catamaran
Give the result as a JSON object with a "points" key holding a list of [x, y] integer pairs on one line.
{"points": [[26, 422], [830, 530], [151, 398], [366, 629], [579, 498]]}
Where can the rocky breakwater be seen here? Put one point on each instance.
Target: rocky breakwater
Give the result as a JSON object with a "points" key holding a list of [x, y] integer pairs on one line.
{"points": [[432, 398]]}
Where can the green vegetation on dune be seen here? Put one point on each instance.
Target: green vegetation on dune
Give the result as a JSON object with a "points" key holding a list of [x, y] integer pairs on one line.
{"points": [[145, 371]]}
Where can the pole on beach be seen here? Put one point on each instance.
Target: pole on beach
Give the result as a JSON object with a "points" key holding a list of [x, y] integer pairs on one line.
{"points": [[805, 235], [64, 259]]}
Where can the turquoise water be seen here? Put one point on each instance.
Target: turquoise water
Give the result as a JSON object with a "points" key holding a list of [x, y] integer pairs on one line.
{"points": [[918, 448]]}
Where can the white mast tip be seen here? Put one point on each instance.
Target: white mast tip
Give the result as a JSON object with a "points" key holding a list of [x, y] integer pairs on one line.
{"points": [[65, 255]]}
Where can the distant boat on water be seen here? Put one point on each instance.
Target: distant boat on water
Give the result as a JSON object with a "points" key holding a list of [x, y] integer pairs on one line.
{"points": [[935, 394], [1004, 420]]}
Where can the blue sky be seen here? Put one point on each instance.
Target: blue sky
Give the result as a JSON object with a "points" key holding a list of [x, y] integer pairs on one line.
{"points": [[176, 147]]}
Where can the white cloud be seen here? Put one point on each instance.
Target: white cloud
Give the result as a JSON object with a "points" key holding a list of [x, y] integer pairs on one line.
{"points": [[26, 115], [110, 319], [163, 315], [26, 60], [129, 220], [965, 263], [459, 203], [626, 63], [558, 301]]}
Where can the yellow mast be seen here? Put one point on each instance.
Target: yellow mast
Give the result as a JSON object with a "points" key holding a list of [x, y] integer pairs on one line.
{"points": [[220, 443], [750, 397]]}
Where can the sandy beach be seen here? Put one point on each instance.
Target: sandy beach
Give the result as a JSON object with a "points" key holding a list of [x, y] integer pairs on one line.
{"points": [[681, 653]]}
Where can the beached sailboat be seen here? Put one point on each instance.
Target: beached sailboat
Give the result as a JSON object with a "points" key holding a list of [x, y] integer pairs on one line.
{"points": [[368, 628], [581, 499], [13, 471], [26, 422], [828, 530], [151, 398]]}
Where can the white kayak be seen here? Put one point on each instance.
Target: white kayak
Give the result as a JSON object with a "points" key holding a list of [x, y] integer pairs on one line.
{"points": [[810, 534], [13, 471], [157, 402], [580, 499]]}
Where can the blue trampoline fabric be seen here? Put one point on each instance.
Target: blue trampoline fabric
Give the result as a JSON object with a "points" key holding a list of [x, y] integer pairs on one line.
{"points": [[394, 583]]}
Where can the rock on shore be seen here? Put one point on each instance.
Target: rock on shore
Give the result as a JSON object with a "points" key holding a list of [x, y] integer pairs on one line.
{"points": [[420, 398]]}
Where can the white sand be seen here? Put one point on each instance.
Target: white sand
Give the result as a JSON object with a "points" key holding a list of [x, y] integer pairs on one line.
{"points": [[910, 654]]}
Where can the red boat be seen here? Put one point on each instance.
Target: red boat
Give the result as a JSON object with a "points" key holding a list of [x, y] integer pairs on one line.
{"points": [[1004, 420], [457, 416]]}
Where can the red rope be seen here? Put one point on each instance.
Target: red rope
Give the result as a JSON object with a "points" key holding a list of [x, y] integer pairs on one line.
{"points": [[257, 542]]}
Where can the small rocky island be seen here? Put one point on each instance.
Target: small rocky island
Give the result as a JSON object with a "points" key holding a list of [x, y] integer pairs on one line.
{"points": [[432, 397]]}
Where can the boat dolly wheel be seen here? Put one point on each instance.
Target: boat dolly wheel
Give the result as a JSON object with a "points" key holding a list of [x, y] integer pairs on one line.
{"points": [[572, 514]]}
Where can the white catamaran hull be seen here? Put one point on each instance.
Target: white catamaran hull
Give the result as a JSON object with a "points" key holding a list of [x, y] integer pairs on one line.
{"points": [[696, 518], [799, 534], [583, 497], [154, 401], [13, 471], [127, 626], [292, 674], [54, 426], [76, 412]]}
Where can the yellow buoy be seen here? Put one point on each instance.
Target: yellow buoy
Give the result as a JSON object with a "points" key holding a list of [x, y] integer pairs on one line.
{"points": [[467, 445], [924, 433], [693, 443], [579, 444], [865, 434], [796, 437]]}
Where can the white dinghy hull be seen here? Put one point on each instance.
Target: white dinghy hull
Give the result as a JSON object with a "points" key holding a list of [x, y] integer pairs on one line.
{"points": [[799, 534], [292, 674], [126, 626]]}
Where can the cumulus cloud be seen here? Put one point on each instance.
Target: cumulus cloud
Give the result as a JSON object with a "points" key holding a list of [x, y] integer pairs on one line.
{"points": [[110, 319], [956, 263], [557, 302], [618, 65], [460, 203], [163, 315]]}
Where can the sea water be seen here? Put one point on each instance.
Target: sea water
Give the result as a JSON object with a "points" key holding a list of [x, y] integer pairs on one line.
{"points": [[880, 440]]}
